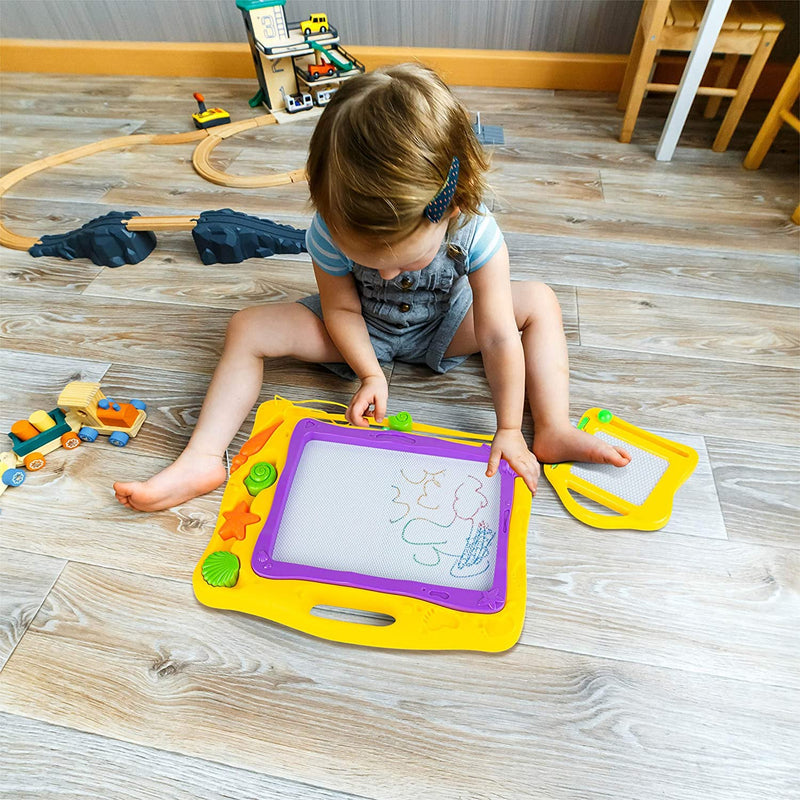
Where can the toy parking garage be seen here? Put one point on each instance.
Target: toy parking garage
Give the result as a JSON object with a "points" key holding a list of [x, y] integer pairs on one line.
{"points": [[300, 64]]}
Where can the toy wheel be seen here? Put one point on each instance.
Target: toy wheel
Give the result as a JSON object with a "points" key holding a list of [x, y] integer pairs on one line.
{"points": [[306, 31], [323, 29], [119, 439], [13, 477], [70, 441], [34, 462], [139, 404], [87, 434]]}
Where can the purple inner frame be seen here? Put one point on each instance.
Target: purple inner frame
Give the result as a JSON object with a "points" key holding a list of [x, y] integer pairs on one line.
{"points": [[474, 600]]}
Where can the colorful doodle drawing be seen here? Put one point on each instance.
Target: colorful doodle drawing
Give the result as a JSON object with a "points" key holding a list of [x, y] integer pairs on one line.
{"points": [[460, 535]]}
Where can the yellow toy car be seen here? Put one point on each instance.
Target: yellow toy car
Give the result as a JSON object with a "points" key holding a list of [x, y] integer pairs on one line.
{"points": [[316, 23]]}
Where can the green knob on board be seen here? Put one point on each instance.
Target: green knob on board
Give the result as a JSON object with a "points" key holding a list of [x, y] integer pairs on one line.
{"points": [[221, 569], [261, 477], [605, 415], [401, 421]]}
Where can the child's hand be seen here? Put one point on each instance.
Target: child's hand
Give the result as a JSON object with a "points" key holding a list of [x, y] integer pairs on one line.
{"points": [[374, 392], [509, 444]]}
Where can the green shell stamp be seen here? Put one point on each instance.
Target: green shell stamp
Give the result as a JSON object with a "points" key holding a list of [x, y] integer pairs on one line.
{"points": [[261, 477], [401, 421], [221, 569]]}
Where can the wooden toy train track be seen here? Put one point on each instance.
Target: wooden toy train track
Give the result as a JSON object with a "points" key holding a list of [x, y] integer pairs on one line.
{"points": [[208, 139]]}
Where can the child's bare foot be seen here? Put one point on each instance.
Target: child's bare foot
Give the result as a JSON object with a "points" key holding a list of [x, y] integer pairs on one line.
{"points": [[554, 445], [189, 476]]}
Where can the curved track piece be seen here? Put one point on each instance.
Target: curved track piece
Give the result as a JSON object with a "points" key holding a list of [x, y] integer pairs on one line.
{"points": [[104, 240], [202, 153], [208, 139], [228, 237], [15, 241]]}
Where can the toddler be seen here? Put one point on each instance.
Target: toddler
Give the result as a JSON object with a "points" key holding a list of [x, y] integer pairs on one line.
{"points": [[410, 266]]}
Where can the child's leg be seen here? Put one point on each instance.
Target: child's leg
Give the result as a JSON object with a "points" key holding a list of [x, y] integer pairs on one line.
{"points": [[281, 329], [538, 317]]}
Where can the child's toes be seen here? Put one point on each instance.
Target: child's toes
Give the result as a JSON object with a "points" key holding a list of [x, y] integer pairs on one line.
{"points": [[618, 457]]}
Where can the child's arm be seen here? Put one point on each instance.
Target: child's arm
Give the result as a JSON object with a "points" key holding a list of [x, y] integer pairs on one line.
{"points": [[341, 311], [501, 348]]}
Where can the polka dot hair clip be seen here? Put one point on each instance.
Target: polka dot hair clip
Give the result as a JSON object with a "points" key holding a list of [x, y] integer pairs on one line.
{"points": [[434, 211]]}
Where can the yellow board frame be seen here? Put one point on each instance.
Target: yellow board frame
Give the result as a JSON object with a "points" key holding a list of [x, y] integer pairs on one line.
{"points": [[655, 511], [418, 624]]}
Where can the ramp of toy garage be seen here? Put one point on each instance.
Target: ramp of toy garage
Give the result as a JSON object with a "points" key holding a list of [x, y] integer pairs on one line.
{"points": [[333, 56]]}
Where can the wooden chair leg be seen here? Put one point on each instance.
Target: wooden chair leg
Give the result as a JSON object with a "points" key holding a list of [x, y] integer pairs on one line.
{"points": [[772, 124], [651, 23], [744, 90], [638, 88], [630, 70], [723, 81]]}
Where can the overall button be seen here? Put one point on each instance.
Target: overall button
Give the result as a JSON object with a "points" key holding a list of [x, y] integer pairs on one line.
{"points": [[406, 283], [404, 307], [455, 252]]}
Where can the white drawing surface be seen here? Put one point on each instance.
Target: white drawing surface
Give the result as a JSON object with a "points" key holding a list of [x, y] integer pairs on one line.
{"points": [[392, 514]]}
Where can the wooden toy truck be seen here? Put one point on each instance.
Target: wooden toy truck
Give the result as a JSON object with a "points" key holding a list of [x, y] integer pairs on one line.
{"points": [[82, 414]]}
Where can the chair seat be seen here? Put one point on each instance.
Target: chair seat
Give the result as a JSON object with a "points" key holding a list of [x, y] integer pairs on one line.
{"points": [[743, 15]]}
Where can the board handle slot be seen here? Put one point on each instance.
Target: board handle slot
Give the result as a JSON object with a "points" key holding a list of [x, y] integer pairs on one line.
{"points": [[356, 616]]}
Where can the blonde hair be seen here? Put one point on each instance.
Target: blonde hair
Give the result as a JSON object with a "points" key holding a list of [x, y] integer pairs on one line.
{"points": [[382, 149]]}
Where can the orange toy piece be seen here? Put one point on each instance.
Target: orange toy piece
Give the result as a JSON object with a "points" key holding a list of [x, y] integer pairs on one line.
{"points": [[253, 445], [236, 520], [34, 462], [24, 430], [69, 441], [121, 415]]}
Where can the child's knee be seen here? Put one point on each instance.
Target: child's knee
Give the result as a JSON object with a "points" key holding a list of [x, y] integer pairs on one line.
{"points": [[240, 324], [534, 300], [246, 330]]}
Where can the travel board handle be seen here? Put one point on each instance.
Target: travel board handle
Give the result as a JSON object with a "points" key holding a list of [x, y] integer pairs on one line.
{"points": [[625, 515]]}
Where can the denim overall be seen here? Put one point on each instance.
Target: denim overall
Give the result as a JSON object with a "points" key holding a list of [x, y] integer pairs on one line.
{"points": [[414, 316]]}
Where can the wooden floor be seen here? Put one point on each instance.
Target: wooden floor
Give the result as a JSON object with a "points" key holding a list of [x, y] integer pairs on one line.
{"points": [[660, 665]]}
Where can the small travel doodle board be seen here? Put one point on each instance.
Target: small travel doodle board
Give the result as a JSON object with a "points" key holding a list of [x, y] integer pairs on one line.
{"points": [[399, 523], [638, 496]]}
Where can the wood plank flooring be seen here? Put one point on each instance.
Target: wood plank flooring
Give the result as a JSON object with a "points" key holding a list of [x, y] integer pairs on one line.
{"points": [[650, 665]]}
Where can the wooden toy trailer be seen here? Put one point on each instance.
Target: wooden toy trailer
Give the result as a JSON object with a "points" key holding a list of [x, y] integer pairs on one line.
{"points": [[53, 429]]}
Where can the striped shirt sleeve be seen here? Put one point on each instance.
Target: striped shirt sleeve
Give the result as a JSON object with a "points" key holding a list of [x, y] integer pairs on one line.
{"points": [[486, 241], [327, 256]]}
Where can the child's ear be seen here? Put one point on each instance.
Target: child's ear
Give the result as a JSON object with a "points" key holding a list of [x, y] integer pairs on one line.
{"points": [[454, 213]]}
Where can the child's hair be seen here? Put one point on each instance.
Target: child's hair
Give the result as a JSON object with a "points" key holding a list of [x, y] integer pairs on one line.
{"points": [[382, 149]]}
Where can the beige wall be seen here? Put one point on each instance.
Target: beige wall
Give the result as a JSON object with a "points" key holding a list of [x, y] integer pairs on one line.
{"points": [[581, 26]]}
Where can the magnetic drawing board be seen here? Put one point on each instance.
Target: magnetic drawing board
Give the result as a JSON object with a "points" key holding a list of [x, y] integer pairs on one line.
{"points": [[404, 513], [638, 496], [404, 524]]}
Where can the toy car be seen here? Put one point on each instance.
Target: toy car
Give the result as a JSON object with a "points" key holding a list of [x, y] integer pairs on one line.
{"points": [[323, 96], [298, 102], [316, 23], [317, 70]]}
